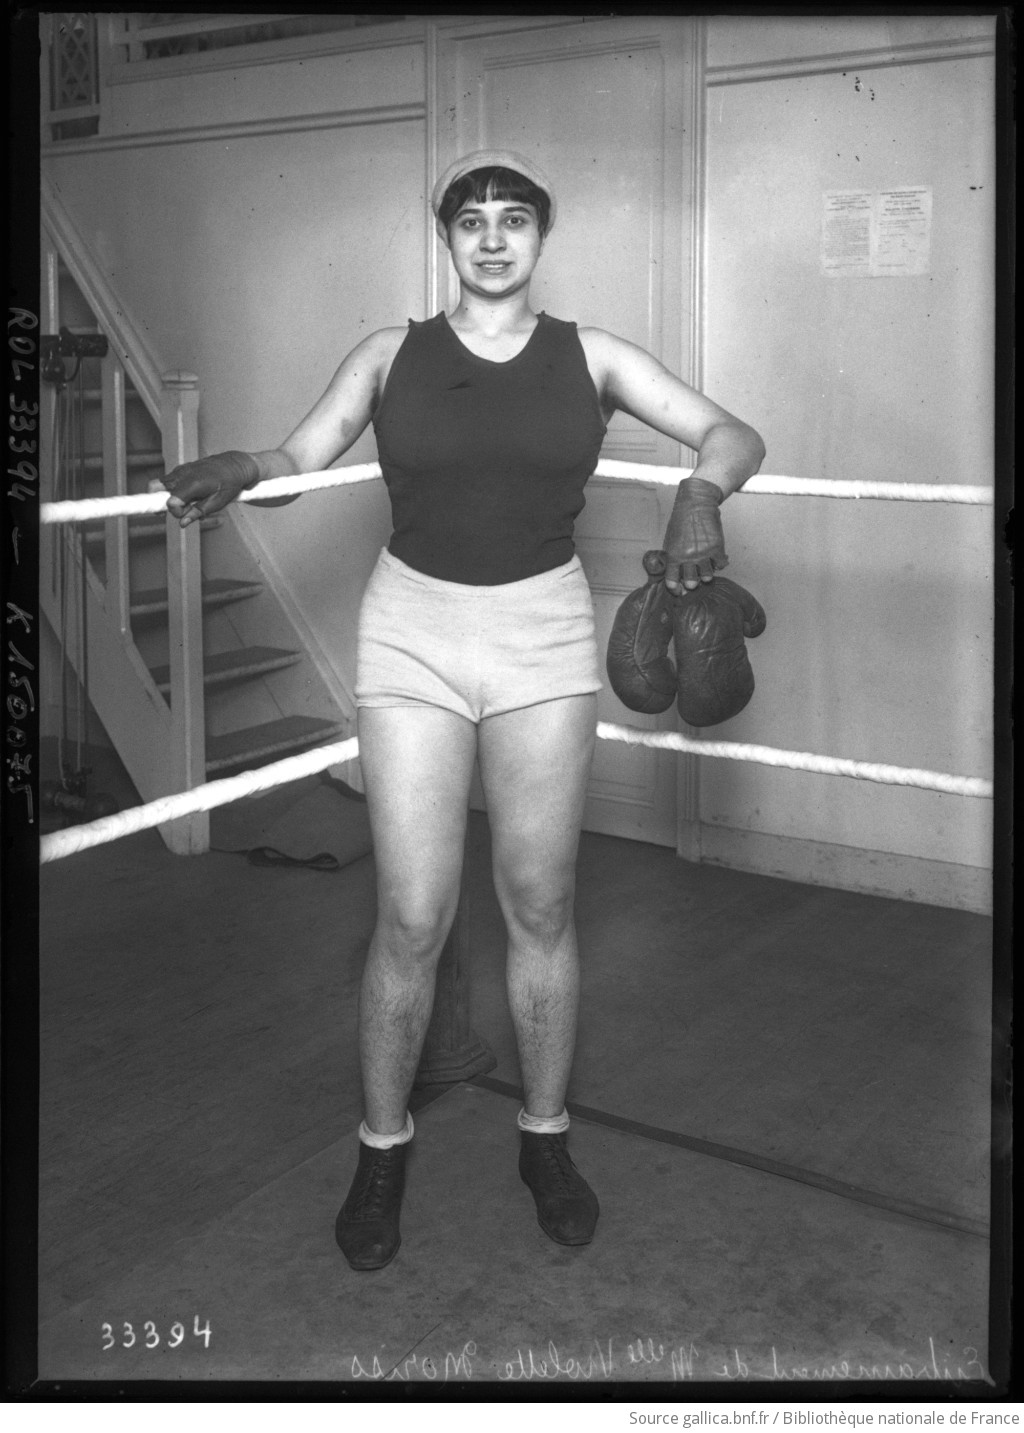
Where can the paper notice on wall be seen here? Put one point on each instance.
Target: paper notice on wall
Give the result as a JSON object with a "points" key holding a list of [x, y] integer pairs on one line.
{"points": [[904, 231], [876, 233], [846, 233]]}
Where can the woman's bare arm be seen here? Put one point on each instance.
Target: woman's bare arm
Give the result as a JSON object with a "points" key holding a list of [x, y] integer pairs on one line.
{"points": [[729, 450], [328, 430]]}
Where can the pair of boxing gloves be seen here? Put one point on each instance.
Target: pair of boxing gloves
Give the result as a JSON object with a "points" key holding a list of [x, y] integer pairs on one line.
{"points": [[711, 679]]}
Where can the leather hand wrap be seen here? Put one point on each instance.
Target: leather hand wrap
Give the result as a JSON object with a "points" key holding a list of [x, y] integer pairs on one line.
{"points": [[209, 484], [712, 679], [694, 541]]}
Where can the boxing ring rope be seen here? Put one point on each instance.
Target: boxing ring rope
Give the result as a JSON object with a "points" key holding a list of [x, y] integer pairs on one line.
{"points": [[55, 846], [249, 783], [201, 798], [798, 760], [137, 504]]}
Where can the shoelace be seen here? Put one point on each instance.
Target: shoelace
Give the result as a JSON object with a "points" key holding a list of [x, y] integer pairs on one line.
{"points": [[368, 1198], [559, 1162]]}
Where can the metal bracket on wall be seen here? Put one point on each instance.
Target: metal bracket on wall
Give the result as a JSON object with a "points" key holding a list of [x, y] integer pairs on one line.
{"points": [[54, 347]]}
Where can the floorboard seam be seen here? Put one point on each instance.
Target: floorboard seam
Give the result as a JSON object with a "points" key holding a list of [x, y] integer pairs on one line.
{"points": [[921, 1213]]}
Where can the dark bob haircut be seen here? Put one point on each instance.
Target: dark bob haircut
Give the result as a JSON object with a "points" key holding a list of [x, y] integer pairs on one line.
{"points": [[507, 185]]}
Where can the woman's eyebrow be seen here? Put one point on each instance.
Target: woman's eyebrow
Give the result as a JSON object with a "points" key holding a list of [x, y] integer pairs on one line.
{"points": [[507, 208]]}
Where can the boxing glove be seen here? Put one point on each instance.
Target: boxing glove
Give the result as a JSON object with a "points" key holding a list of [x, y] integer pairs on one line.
{"points": [[712, 679], [713, 674], [641, 674]]}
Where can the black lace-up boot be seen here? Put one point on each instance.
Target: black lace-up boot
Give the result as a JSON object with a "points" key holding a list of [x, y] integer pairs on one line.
{"points": [[567, 1207], [367, 1225]]}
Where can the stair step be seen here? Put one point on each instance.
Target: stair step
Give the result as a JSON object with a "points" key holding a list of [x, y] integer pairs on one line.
{"points": [[274, 738], [138, 482], [155, 459], [140, 529], [217, 591], [95, 395], [232, 666]]}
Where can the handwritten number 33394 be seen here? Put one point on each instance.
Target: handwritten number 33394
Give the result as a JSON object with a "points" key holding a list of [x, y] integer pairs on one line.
{"points": [[150, 1338]]}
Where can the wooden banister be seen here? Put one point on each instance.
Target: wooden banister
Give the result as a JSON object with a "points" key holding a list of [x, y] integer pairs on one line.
{"points": [[179, 426], [115, 483]]}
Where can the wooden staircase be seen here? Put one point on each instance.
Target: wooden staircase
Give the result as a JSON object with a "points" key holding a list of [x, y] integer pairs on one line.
{"points": [[182, 690]]}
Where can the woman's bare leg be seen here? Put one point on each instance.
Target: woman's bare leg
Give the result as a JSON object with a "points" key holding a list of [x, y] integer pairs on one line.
{"points": [[534, 764], [417, 766]]}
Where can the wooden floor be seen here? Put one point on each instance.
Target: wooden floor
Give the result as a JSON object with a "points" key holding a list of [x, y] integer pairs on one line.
{"points": [[199, 1072]]}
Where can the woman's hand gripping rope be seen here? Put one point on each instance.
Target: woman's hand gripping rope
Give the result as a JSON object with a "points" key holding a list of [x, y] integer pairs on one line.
{"points": [[206, 486]]}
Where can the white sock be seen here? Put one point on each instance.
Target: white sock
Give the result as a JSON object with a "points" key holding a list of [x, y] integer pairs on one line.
{"points": [[387, 1141], [543, 1124]]}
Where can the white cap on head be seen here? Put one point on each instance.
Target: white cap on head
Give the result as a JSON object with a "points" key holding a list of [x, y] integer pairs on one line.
{"points": [[496, 159]]}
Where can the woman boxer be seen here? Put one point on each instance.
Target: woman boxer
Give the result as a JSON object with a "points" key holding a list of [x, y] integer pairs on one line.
{"points": [[476, 643]]}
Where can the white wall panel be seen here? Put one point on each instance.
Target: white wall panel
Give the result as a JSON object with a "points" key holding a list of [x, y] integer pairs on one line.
{"points": [[879, 637]]}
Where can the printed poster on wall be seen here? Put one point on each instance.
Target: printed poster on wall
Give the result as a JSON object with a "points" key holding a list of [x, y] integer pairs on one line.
{"points": [[881, 233], [846, 234]]}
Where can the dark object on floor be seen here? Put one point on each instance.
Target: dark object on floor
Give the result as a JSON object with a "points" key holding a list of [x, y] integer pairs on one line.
{"points": [[268, 856], [322, 825], [367, 1224], [567, 1207], [342, 787]]}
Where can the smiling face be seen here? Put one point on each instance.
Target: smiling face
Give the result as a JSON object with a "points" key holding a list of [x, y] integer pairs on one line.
{"points": [[495, 245]]}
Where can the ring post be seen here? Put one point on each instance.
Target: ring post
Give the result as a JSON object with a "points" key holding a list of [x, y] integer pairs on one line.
{"points": [[451, 1051]]}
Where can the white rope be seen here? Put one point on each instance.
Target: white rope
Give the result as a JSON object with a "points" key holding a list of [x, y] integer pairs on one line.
{"points": [[200, 798], [232, 788], [219, 793], [136, 504], [764, 484], [799, 760]]}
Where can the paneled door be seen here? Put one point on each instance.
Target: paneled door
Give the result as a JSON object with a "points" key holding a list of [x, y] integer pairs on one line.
{"points": [[606, 108]]}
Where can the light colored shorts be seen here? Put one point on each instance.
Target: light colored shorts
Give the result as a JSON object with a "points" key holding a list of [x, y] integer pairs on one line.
{"points": [[478, 651]]}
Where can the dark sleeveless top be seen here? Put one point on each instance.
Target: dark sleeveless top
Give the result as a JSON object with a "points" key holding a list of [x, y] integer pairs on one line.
{"points": [[485, 463]]}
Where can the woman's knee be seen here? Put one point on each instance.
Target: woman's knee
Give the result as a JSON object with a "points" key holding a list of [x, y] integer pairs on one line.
{"points": [[414, 930], [540, 911]]}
